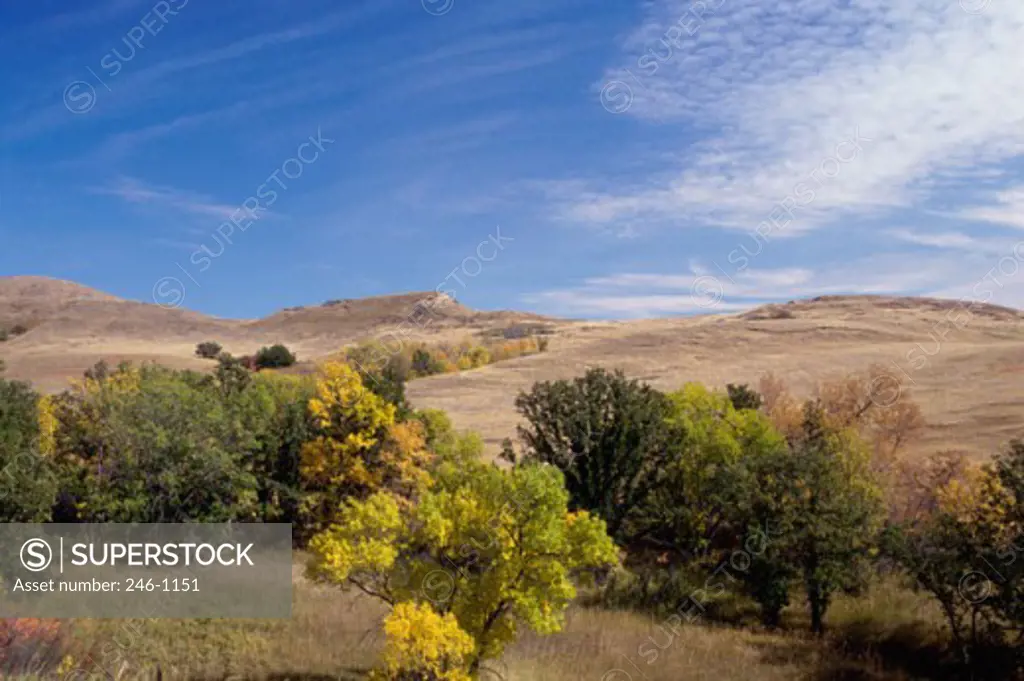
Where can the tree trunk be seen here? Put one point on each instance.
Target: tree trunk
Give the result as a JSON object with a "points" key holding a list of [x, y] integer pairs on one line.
{"points": [[771, 617], [817, 602]]}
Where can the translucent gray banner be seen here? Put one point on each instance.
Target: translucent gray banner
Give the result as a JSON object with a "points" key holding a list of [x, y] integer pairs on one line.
{"points": [[120, 570]]}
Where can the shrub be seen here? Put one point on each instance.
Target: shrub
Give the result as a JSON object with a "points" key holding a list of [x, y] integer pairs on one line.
{"points": [[421, 644], [388, 382], [232, 375], [208, 350], [743, 397], [19, 330], [154, 445], [28, 481], [962, 549], [30, 645], [478, 356], [425, 363], [607, 434], [274, 357]]}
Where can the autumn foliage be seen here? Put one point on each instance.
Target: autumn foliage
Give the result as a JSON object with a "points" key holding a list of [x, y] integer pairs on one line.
{"points": [[609, 475], [416, 359]]}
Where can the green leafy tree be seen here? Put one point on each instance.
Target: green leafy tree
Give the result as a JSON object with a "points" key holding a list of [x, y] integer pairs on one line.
{"points": [[275, 409], [825, 508], [274, 357], [689, 506], [610, 437], [424, 363], [496, 548], [28, 482], [153, 445], [744, 397], [388, 382], [231, 375]]}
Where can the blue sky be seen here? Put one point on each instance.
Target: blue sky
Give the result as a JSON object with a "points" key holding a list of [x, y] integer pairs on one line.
{"points": [[639, 159]]}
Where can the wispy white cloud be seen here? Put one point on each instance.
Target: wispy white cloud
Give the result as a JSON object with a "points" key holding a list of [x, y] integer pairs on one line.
{"points": [[135, 191], [324, 25], [933, 87], [990, 275], [587, 303], [1006, 208]]}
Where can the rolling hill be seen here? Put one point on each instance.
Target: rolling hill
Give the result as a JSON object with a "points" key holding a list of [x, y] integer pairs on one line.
{"points": [[965, 368]]}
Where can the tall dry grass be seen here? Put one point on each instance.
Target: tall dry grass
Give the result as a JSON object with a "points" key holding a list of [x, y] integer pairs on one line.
{"points": [[888, 634]]}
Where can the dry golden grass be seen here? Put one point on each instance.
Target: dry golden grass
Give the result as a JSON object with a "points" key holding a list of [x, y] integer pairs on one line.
{"points": [[890, 635], [970, 390], [964, 370]]}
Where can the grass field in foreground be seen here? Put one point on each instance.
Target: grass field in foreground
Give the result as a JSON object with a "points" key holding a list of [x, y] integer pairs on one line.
{"points": [[889, 635]]}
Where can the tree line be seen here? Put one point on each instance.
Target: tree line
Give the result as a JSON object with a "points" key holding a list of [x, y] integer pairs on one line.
{"points": [[611, 487]]}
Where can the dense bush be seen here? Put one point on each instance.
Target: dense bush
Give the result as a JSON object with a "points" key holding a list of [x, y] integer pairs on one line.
{"points": [[208, 349], [16, 330], [962, 548], [426, 364], [413, 359], [610, 437], [274, 357], [152, 445], [28, 481], [743, 397]]}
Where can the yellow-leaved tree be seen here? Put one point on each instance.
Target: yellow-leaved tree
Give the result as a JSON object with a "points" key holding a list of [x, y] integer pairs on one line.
{"points": [[358, 446], [421, 640], [496, 549], [47, 425]]}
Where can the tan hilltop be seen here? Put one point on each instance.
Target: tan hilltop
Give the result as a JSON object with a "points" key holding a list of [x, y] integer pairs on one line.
{"points": [[964, 368]]}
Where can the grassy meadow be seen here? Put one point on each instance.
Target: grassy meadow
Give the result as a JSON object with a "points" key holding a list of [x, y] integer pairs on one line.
{"points": [[887, 634]]}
